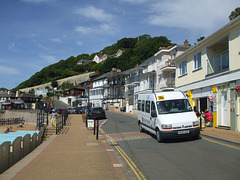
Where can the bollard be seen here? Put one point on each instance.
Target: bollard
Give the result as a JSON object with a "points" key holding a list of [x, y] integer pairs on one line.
{"points": [[94, 127], [97, 129]]}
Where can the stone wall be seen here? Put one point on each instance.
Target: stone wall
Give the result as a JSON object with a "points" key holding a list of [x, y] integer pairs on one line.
{"points": [[30, 117], [77, 79]]}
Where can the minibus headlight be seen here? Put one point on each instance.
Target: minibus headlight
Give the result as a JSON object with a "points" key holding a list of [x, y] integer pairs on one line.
{"points": [[166, 126], [195, 123]]}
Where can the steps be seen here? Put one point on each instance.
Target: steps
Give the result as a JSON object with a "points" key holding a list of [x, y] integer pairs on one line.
{"points": [[49, 131]]}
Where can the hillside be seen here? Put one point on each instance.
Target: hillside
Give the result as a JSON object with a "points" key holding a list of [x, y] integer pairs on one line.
{"points": [[136, 50]]}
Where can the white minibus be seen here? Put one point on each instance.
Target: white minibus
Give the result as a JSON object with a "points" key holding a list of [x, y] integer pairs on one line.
{"points": [[167, 115]]}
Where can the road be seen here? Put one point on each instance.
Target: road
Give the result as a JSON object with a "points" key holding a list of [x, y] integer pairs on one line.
{"points": [[172, 159]]}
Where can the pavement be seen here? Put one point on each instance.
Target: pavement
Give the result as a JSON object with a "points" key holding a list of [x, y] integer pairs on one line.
{"points": [[76, 154]]}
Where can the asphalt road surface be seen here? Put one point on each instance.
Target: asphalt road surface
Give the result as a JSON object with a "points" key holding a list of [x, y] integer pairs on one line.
{"points": [[173, 159]]}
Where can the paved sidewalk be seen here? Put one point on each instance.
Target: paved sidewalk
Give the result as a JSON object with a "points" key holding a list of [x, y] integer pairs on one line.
{"points": [[74, 154]]}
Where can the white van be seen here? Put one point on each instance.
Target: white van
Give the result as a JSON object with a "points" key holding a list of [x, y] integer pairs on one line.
{"points": [[167, 115]]}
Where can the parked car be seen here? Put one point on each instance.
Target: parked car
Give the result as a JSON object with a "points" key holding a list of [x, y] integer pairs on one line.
{"points": [[97, 113], [81, 109], [123, 109], [72, 110]]}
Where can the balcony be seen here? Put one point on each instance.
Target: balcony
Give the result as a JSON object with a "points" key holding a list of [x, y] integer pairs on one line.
{"points": [[218, 63], [119, 96], [168, 66]]}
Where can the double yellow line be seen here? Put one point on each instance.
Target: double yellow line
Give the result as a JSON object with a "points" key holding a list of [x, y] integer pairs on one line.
{"points": [[132, 165]]}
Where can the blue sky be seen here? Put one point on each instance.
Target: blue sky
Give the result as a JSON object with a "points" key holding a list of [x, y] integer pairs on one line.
{"points": [[37, 33]]}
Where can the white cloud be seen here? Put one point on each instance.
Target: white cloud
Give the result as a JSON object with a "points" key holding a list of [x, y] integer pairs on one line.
{"points": [[11, 46], [56, 40], [37, 1], [190, 14], [8, 70], [80, 43], [49, 59], [135, 1], [102, 28], [94, 13]]}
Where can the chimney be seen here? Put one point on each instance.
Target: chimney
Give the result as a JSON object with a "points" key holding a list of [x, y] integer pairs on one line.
{"points": [[101, 54], [17, 94], [186, 42]]}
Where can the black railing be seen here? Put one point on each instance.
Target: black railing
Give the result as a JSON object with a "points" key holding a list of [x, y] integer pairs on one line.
{"points": [[42, 119], [61, 121]]}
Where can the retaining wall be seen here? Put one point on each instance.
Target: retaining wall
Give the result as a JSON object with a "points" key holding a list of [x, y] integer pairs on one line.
{"points": [[30, 117]]}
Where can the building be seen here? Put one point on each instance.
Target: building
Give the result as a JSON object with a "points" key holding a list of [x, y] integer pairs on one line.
{"points": [[209, 73], [165, 73]]}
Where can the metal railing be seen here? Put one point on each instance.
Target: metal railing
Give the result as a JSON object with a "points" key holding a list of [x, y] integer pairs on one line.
{"points": [[43, 120], [61, 121]]}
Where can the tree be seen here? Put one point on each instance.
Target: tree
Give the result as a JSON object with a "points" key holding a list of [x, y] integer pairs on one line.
{"points": [[234, 13], [54, 84]]}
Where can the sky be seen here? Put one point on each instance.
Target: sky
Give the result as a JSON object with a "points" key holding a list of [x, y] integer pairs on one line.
{"points": [[37, 33]]}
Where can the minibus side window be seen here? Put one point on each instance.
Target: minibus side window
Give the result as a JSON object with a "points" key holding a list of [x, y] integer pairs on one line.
{"points": [[143, 104], [139, 105], [153, 108], [148, 106]]}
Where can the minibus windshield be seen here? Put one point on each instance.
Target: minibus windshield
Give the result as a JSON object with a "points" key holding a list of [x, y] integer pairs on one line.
{"points": [[173, 106]]}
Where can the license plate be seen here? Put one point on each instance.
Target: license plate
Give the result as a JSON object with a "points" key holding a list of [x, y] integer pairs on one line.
{"points": [[183, 132], [99, 112]]}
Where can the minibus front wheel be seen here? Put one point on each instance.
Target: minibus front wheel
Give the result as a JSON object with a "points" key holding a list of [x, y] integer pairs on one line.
{"points": [[140, 126], [159, 135]]}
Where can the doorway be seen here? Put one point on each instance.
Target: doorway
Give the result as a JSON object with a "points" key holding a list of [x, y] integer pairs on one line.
{"points": [[224, 109]]}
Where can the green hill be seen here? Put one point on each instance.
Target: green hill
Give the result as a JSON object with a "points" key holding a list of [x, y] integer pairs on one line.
{"points": [[136, 50]]}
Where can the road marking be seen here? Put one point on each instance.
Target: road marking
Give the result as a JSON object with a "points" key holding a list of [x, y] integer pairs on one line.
{"points": [[223, 144], [132, 165], [102, 123]]}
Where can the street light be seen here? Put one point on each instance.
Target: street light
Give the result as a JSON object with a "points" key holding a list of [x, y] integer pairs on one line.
{"points": [[153, 72]]}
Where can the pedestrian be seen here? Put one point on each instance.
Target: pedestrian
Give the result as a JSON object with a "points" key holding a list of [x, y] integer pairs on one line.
{"points": [[7, 130], [54, 116], [10, 129], [208, 117]]}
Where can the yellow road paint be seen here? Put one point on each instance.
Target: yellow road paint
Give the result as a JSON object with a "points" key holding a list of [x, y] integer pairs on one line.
{"points": [[132, 165], [223, 144]]}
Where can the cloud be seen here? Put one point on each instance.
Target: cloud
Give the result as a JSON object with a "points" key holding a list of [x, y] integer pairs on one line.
{"points": [[56, 40], [80, 43], [11, 46], [8, 70], [37, 1], [189, 14], [49, 59], [102, 28], [94, 13], [135, 1]]}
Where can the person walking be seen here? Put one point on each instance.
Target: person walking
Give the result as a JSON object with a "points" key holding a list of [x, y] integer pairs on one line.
{"points": [[54, 116]]}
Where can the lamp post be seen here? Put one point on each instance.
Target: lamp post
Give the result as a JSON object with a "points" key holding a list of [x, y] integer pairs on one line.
{"points": [[88, 103], [153, 72]]}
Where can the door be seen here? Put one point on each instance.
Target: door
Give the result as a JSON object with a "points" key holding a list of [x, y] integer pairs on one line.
{"points": [[224, 109], [153, 119]]}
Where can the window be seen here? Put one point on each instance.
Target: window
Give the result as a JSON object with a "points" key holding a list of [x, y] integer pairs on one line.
{"points": [[160, 79], [153, 108], [139, 105], [183, 68], [197, 61], [143, 103], [148, 106]]}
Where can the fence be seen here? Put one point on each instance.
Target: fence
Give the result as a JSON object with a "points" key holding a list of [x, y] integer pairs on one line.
{"points": [[43, 120], [61, 121], [10, 121]]}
